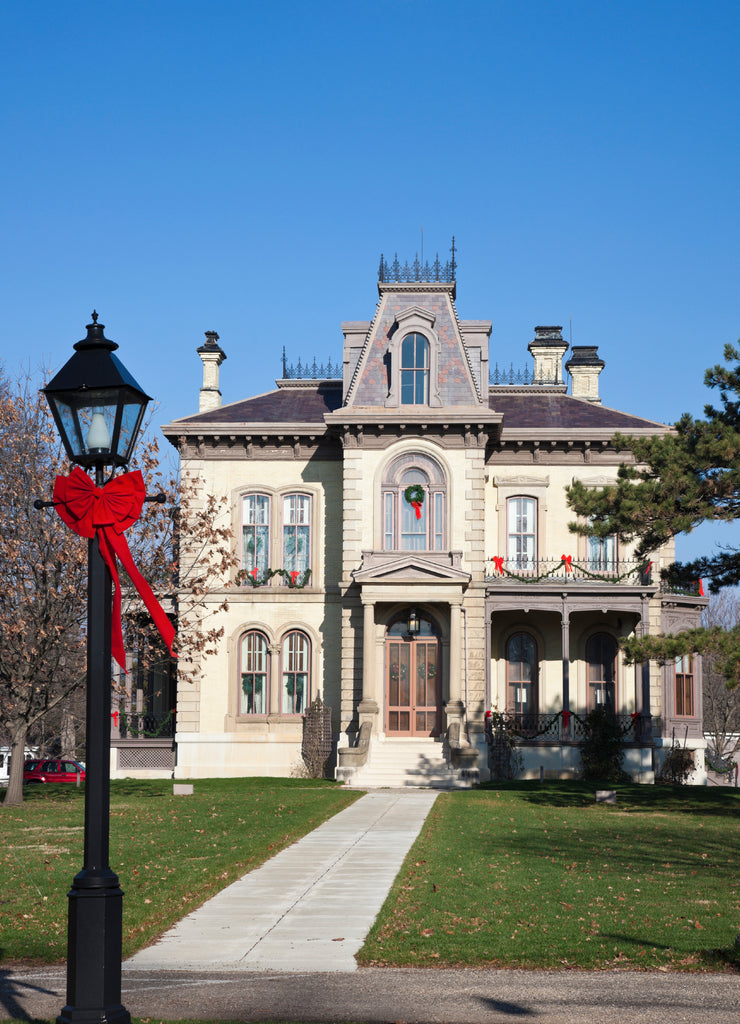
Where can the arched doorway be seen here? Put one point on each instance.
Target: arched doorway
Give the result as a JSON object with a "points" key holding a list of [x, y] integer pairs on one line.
{"points": [[413, 678]]}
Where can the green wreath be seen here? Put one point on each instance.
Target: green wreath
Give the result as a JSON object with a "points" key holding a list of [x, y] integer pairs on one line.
{"points": [[414, 493]]}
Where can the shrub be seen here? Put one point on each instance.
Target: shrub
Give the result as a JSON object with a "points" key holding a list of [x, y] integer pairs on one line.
{"points": [[677, 766], [602, 749], [504, 758]]}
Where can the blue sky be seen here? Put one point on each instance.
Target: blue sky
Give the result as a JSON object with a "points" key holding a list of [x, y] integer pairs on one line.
{"points": [[185, 166]]}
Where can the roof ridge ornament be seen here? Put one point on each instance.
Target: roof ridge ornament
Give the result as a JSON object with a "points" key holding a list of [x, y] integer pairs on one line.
{"points": [[418, 271]]}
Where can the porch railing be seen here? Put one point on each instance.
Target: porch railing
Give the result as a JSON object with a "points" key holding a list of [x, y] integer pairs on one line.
{"points": [[147, 725], [567, 567], [565, 727]]}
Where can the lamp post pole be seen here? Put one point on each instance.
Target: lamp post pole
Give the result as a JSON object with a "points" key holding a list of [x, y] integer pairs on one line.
{"points": [[98, 408], [95, 913]]}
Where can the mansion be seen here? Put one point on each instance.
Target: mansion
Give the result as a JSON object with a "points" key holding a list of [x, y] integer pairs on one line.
{"points": [[404, 554]]}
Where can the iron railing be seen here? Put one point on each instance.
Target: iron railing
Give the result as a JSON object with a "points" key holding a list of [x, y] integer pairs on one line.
{"points": [[512, 377], [561, 727], [587, 570], [146, 724], [311, 371], [419, 270]]}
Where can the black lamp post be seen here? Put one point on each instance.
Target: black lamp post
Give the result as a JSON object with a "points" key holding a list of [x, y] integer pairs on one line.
{"points": [[98, 408]]}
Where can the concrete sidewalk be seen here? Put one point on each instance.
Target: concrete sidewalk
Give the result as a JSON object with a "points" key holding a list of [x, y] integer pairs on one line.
{"points": [[311, 906]]}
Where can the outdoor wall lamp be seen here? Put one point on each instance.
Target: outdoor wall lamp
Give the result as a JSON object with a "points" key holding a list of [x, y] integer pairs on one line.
{"points": [[414, 623]]}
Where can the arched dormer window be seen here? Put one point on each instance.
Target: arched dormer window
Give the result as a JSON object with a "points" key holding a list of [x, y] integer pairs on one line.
{"points": [[413, 360], [415, 370], [409, 525]]}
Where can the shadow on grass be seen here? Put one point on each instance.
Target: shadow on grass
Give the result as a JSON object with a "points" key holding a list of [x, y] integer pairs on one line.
{"points": [[630, 796]]}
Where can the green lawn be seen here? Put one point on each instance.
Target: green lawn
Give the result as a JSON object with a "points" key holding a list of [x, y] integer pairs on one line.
{"points": [[525, 875], [171, 853], [520, 875]]}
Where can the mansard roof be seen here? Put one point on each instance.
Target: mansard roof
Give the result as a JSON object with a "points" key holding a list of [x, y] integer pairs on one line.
{"points": [[526, 412], [306, 403]]}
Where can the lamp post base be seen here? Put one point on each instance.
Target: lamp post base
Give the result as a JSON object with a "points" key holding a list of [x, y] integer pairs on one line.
{"points": [[95, 925]]}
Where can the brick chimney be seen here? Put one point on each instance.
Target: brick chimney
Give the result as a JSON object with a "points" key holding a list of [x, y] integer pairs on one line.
{"points": [[212, 355], [584, 367], [548, 349]]}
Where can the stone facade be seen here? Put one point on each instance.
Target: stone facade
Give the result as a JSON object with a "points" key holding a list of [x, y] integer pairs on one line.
{"points": [[420, 621]]}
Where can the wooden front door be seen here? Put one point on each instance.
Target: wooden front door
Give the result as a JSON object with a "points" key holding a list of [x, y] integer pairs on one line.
{"points": [[413, 678]]}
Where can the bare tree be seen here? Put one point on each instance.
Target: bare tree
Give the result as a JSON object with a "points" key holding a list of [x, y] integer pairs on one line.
{"points": [[721, 703], [43, 576], [183, 548]]}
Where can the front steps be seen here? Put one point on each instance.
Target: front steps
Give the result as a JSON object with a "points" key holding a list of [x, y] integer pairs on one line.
{"points": [[407, 763]]}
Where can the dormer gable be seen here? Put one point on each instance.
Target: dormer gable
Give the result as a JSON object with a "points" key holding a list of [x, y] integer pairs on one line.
{"points": [[414, 354]]}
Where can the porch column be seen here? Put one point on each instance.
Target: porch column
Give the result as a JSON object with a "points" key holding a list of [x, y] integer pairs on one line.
{"points": [[643, 705], [565, 643], [455, 708], [368, 707], [488, 619]]}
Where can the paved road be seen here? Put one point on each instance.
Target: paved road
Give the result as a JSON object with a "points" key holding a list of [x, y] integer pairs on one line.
{"points": [[389, 996]]}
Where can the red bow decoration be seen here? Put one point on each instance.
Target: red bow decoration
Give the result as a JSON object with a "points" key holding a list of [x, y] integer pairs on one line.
{"points": [[701, 588], [106, 512], [567, 559], [566, 718], [294, 574], [498, 564], [416, 505]]}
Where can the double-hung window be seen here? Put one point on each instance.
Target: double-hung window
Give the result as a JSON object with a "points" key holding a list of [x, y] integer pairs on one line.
{"points": [[601, 665], [521, 533], [602, 553], [521, 679], [415, 370], [684, 672], [256, 533], [297, 534], [255, 676], [296, 670]]}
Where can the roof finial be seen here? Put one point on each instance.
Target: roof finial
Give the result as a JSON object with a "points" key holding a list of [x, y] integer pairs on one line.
{"points": [[94, 317]]}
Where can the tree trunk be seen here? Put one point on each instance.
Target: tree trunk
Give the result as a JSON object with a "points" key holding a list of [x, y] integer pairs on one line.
{"points": [[14, 792], [68, 735]]}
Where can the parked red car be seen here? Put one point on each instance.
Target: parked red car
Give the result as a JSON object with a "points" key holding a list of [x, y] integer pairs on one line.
{"points": [[53, 771]]}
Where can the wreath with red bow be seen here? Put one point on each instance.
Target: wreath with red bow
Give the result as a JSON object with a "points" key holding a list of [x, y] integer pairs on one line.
{"points": [[414, 495]]}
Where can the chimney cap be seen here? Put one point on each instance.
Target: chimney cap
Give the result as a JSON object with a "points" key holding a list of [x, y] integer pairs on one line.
{"points": [[585, 355], [212, 344]]}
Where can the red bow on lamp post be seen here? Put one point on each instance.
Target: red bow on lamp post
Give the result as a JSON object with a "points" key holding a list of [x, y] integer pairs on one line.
{"points": [[106, 512], [568, 559]]}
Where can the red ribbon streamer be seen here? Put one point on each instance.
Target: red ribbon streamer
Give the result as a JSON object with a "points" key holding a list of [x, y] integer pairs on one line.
{"points": [[567, 559], [566, 717], [106, 512], [416, 505]]}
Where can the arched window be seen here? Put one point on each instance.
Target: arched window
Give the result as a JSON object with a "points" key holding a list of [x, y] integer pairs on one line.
{"points": [[521, 529], [297, 534], [601, 660], [414, 370], [255, 674], [255, 533], [521, 679], [296, 672], [414, 505]]}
